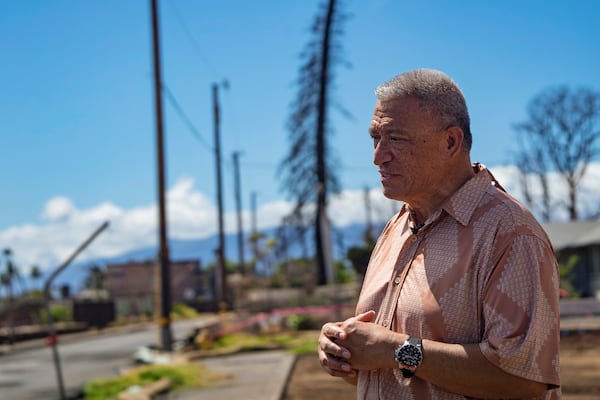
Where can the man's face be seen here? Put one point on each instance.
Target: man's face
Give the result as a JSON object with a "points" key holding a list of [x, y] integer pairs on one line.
{"points": [[408, 149]]}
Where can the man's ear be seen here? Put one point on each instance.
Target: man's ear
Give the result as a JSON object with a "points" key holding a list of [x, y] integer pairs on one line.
{"points": [[454, 139]]}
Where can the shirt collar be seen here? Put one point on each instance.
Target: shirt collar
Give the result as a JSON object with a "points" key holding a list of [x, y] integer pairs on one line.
{"points": [[462, 204]]}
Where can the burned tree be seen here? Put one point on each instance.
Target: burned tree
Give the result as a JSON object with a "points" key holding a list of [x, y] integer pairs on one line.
{"points": [[560, 136], [306, 172]]}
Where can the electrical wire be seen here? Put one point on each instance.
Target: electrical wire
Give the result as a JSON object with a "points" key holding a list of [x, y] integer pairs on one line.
{"points": [[175, 104], [195, 44]]}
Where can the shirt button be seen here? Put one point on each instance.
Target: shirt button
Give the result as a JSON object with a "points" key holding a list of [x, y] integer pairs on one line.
{"points": [[397, 280], [414, 238], [386, 323]]}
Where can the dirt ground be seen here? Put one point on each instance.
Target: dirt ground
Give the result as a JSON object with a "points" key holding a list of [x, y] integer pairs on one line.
{"points": [[580, 373]]}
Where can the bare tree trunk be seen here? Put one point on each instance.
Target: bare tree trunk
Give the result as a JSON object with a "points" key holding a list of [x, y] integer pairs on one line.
{"points": [[572, 206], [560, 135], [321, 230]]}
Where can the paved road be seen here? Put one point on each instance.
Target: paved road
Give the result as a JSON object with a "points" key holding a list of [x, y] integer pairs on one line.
{"points": [[260, 375], [28, 374]]}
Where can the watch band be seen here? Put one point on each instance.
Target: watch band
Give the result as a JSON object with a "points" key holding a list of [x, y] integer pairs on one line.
{"points": [[407, 373]]}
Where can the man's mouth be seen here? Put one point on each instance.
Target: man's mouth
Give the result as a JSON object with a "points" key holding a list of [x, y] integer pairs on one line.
{"points": [[385, 174]]}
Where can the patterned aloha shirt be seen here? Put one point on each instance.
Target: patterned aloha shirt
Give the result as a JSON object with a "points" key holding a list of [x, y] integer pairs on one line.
{"points": [[481, 270]]}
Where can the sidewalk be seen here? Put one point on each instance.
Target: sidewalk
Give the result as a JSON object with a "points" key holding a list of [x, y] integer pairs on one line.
{"points": [[260, 375], [580, 324]]}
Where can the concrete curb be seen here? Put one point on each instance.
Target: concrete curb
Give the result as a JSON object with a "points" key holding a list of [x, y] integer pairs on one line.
{"points": [[286, 382], [261, 375]]}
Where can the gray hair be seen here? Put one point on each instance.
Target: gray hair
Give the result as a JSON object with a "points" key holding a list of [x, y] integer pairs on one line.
{"points": [[438, 94]]}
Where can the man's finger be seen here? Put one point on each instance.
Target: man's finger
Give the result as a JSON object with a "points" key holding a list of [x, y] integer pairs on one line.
{"points": [[333, 331], [330, 347], [366, 316], [336, 367]]}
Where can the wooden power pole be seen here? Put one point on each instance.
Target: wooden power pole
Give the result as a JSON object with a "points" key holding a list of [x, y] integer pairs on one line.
{"points": [[165, 277], [221, 266], [238, 206]]}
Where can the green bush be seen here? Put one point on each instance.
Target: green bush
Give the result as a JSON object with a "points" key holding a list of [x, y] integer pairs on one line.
{"points": [[566, 268], [183, 311], [301, 322], [108, 388], [343, 273], [179, 376], [59, 313]]}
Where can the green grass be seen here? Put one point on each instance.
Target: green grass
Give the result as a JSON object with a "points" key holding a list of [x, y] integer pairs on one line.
{"points": [[181, 376], [300, 342], [307, 345], [197, 375]]}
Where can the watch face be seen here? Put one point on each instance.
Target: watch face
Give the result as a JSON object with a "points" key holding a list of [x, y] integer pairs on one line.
{"points": [[409, 356]]}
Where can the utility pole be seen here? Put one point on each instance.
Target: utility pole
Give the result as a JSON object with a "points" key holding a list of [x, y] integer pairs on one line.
{"points": [[253, 207], [221, 273], [238, 204], [8, 281], [254, 230], [52, 339], [165, 277]]}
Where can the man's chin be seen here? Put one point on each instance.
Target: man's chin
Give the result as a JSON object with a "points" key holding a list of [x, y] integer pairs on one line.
{"points": [[392, 194]]}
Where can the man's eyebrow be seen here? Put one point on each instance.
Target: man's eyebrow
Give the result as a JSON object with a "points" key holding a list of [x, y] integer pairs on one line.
{"points": [[387, 131]]}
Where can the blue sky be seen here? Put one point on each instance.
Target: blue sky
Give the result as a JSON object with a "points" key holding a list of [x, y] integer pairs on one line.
{"points": [[78, 135]]}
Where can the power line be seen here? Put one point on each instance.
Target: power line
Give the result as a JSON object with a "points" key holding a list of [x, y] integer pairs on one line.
{"points": [[191, 38], [175, 104], [195, 44]]}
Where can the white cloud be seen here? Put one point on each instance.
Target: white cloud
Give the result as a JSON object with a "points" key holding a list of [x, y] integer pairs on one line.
{"points": [[63, 227], [57, 208], [588, 202], [191, 215], [350, 207]]}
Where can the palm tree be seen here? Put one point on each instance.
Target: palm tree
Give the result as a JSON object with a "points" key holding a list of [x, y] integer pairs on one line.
{"points": [[13, 274], [35, 274], [8, 276]]}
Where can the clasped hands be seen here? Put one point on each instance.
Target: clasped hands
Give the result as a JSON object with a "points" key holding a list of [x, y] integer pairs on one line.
{"points": [[356, 344]]}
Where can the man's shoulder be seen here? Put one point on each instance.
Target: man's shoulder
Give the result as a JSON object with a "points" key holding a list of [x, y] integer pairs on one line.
{"points": [[509, 213]]}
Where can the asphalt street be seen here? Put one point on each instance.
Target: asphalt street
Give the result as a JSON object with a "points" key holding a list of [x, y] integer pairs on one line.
{"points": [[28, 372]]}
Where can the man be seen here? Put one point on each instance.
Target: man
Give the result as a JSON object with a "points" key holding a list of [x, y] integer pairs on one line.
{"points": [[460, 298]]}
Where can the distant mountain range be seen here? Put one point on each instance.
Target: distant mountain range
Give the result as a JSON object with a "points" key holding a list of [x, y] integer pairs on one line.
{"points": [[204, 250]]}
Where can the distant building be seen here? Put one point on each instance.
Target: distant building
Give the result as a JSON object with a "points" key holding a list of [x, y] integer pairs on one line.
{"points": [[581, 238], [133, 286]]}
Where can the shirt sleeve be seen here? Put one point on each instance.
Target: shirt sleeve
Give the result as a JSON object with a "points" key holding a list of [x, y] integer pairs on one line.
{"points": [[521, 332]]}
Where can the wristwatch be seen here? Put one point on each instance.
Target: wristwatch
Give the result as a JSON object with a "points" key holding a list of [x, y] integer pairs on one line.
{"points": [[409, 356]]}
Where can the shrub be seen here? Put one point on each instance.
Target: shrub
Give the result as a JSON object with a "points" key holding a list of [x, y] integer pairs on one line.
{"points": [[183, 310], [59, 313]]}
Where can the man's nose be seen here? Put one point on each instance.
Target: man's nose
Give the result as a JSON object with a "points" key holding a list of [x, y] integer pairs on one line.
{"points": [[382, 153]]}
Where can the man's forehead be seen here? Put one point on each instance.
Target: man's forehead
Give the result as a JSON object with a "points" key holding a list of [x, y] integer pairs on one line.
{"points": [[388, 112], [379, 121], [404, 107], [397, 104]]}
